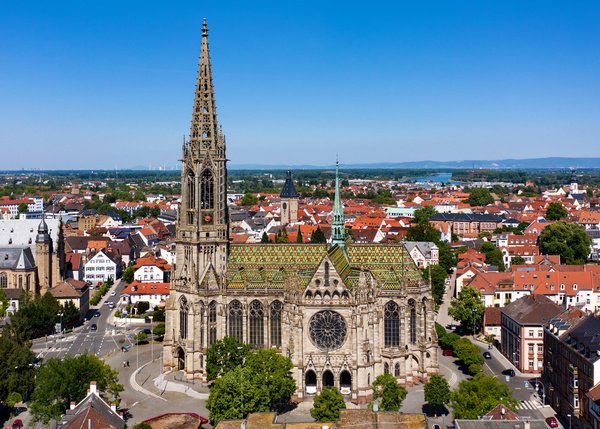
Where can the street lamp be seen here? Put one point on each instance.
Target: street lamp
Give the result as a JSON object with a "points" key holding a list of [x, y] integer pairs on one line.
{"points": [[569, 416], [61, 316], [152, 337]]}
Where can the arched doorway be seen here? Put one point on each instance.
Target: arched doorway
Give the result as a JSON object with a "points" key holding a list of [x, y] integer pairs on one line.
{"points": [[328, 381], [310, 382], [345, 382], [180, 359]]}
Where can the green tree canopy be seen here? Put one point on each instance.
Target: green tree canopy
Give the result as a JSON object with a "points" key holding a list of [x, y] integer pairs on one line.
{"points": [[61, 381], [128, 274], [556, 211], [447, 258], [22, 208], [265, 238], [249, 199], [282, 236], [327, 405], [568, 240], [389, 393], [467, 308], [272, 372], [71, 314], [299, 236], [478, 396], [235, 395], [318, 236], [469, 355], [480, 197], [437, 391], [517, 260], [17, 371], [423, 215], [159, 330], [4, 303], [493, 255], [224, 355], [438, 279], [35, 318]]}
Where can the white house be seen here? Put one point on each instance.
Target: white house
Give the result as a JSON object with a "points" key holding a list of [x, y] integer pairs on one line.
{"points": [[154, 293], [100, 268], [423, 253]]}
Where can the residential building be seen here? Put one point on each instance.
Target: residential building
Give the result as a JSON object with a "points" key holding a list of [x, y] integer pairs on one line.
{"points": [[101, 267], [75, 291], [572, 367], [150, 269], [92, 412], [155, 293], [423, 253], [466, 225], [522, 334]]}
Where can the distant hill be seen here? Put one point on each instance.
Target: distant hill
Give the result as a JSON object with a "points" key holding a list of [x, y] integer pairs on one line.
{"points": [[531, 163]]}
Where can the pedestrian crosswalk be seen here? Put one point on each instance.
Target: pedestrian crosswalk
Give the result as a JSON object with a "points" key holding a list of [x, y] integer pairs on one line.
{"points": [[529, 405]]}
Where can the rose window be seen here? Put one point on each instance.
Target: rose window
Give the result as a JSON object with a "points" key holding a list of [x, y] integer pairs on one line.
{"points": [[327, 330]]}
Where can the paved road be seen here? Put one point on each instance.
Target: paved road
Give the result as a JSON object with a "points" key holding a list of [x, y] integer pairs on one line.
{"points": [[443, 318]]}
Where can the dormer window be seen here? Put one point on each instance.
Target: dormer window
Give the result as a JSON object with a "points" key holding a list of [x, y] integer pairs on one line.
{"points": [[574, 287], [562, 287]]}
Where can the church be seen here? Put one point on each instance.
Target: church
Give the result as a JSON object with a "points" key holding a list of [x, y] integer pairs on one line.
{"points": [[344, 313]]}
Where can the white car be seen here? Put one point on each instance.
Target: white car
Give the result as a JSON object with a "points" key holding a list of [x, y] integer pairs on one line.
{"points": [[113, 293]]}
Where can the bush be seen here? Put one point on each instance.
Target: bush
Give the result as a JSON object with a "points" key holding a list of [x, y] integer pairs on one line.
{"points": [[449, 339], [13, 399], [142, 425], [327, 405], [159, 329], [142, 307]]}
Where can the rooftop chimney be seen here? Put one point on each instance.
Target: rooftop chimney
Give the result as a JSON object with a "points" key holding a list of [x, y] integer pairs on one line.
{"points": [[526, 424], [93, 387], [113, 407], [72, 405]]}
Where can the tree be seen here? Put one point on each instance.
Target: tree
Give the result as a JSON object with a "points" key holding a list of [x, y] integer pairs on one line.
{"points": [[318, 236], [235, 395], [478, 396], [469, 355], [282, 236], [449, 339], [249, 199], [327, 405], [423, 215], [447, 258], [389, 392], [140, 337], [517, 260], [142, 307], [438, 278], [224, 355], [467, 308], [128, 273], [35, 318], [61, 381], [160, 329], [480, 197], [4, 303], [437, 392], [71, 315], [423, 232], [17, 372], [556, 211], [13, 399], [158, 315], [272, 372], [22, 208], [568, 240], [493, 255], [265, 238], [299, 236]]}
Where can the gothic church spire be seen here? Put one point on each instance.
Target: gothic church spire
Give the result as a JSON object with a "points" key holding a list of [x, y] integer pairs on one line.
{"points": [[337, 223]]}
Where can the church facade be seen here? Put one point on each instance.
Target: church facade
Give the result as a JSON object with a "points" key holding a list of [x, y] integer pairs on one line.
{"points": [[343, 313]]}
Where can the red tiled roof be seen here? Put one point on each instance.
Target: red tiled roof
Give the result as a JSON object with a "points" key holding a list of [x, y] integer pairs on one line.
{"points": [[139, 288]]}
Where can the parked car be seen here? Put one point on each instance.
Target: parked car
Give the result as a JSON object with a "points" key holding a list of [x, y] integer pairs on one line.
{"points": [[113, 293], [17, 424], [510, 372], [97, 314], [447, 352], [552, 422], [487, 355], [94, 327], [146, 331]]}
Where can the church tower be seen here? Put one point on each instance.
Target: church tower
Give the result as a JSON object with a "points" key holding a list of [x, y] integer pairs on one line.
{"points": [[43, 257], [202, 229], [289, 201]]}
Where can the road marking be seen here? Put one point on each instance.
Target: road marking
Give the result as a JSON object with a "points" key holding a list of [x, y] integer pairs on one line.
{"points": [[529, 405]]}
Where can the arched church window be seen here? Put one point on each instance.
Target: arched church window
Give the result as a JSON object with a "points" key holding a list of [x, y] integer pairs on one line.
{"points": [[391, 325], [413, 323], [183, 318], [424, 310], [201, 311], [256, 316], [386, 368], [397, 370], [3, 281], [206, 190], [212, 323], [235, 316], [20, 282], [276, 310], [326, 274], [191, 196]]}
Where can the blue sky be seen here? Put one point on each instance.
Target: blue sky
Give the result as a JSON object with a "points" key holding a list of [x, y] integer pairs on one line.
{"points": [[105, 84]]}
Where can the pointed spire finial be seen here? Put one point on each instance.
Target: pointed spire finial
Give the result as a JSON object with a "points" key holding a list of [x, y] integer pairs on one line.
{"points": [[204, 28]]}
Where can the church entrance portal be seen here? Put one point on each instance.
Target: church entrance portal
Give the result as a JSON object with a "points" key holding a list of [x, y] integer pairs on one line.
{"points": [[345, 383], [310, 382], [328, 379]]}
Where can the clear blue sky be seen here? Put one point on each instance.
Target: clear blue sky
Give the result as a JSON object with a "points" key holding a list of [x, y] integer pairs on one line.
{"points": [[99, 84]]}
